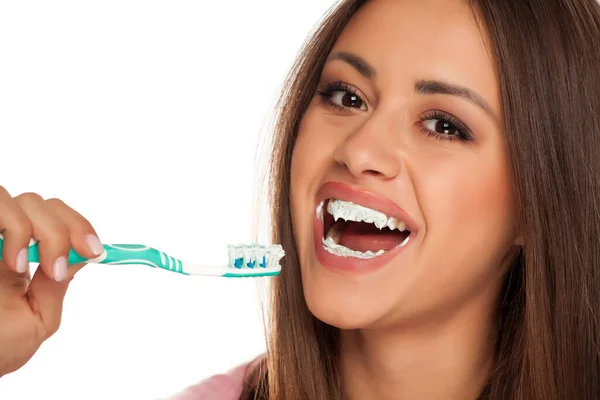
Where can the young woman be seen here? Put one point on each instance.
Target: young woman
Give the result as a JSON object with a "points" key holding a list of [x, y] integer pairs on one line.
{"points": [[435, 184]]}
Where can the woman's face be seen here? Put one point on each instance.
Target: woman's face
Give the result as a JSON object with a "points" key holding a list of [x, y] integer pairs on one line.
{"points": [[405, 130]]}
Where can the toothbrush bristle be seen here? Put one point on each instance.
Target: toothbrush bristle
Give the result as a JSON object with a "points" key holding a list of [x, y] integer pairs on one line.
{"points": [[254, 256]]}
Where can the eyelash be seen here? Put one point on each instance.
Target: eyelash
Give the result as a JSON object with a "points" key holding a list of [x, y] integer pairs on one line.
{"points": [[327, 92], [463, 132]]}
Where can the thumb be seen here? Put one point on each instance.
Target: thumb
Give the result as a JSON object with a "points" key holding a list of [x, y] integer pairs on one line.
{"points": [[46, 297]]}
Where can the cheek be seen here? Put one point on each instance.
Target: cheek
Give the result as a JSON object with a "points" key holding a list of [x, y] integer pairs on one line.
{"points": [[312, 154], [469, 213], [478, 197], [307, 164], [301, 165]]}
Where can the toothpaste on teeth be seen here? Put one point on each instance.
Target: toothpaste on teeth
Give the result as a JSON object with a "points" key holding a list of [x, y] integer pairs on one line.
{"points": [[337, 249], [349, 211]]}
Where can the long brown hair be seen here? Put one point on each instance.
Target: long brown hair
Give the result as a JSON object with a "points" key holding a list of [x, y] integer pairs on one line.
{"points": [[547, 55]]}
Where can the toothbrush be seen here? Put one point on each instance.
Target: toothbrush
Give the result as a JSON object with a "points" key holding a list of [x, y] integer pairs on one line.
{"points": [[244, 260]]}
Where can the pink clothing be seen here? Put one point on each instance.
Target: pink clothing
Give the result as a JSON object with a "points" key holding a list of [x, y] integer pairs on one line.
{"points": [[227, 386]]}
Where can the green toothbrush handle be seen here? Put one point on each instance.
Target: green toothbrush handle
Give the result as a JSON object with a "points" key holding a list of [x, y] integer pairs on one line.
{"points": [[116, 254], [140, 254], [33, 254]]}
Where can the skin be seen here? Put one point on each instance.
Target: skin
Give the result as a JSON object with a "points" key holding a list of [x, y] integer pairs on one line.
{"points": [[421, 327], [424, 325], [31, 308]]}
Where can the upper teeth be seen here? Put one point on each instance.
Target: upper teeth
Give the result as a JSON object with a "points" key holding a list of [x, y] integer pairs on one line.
{"points": [[354, 212]]}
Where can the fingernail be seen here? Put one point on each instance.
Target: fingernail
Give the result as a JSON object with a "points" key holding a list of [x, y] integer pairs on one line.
{"points": [[22, 262], [60, 269], [94, 244]]}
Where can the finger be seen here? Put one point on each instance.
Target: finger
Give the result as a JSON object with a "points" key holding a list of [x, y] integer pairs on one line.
{"points": [[46, 298], [82, 235], [12, 284], [16, 228], [51, 233]]}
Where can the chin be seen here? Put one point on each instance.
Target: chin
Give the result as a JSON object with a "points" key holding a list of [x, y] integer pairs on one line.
{"points": [[343, 303]]}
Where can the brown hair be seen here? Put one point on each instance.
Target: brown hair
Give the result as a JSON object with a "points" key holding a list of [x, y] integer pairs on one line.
{"points": [[547, 55]]}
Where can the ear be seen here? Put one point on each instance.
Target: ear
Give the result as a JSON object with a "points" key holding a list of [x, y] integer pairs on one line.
{"points": [[519, 237], [519, 241], [509, 258]]}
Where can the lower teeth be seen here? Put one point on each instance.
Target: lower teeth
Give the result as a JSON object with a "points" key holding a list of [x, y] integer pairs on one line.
{"points": [[337, 249]]}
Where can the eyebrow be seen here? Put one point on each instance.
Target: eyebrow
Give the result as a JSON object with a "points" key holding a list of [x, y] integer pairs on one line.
{"points": [[359, 63], [438, 87], [421, 86]]}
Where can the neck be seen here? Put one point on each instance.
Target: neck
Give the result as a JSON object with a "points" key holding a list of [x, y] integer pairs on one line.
{"points": [[448, 359]]}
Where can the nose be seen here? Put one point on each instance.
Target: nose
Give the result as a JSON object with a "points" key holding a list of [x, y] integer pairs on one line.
{"points": [[369, 152]]}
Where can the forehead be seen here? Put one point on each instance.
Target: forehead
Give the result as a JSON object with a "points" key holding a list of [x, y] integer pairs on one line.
{"points": [[408, 40]]}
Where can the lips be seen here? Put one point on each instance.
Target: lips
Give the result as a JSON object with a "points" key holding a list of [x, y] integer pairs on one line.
{"points": [[338, 190], [371, 200]]}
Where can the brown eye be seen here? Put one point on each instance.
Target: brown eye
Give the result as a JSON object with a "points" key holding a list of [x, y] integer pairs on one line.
{"points": [[444, 128], [441, 127], [346, 99]]}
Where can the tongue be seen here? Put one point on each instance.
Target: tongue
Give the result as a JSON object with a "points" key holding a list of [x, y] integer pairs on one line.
{"points": [[363, 237]]}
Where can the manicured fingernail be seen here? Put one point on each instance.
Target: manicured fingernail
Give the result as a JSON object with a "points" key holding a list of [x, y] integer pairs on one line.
{"points": [[22, 262], [60, 269], [94, 244]]}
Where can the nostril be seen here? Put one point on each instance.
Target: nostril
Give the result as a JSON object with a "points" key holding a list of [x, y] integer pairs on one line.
{"points": [[372, 172]]}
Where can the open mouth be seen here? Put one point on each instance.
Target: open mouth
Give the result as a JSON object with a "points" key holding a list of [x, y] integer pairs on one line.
{"points": [[352, 230]]}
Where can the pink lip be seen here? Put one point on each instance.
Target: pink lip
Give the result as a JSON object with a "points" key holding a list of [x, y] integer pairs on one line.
{"points": [[371, 200]]}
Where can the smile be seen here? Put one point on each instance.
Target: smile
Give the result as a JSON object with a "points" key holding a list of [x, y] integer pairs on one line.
{"points": [[354, 230], [357, 230]]}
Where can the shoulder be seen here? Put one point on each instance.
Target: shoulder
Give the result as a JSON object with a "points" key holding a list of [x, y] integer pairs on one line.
{"points": [[227, 386]]}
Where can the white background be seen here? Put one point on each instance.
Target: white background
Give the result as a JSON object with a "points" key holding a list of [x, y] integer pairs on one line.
{"points": [[145, 117]]}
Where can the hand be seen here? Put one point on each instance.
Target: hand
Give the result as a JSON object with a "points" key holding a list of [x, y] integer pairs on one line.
{"points": [[30, 309]]}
